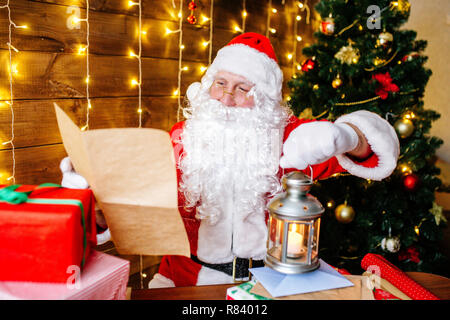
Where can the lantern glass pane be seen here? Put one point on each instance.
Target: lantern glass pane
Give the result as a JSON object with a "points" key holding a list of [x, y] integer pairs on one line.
{"points": [[315, 243], [275, 235]]}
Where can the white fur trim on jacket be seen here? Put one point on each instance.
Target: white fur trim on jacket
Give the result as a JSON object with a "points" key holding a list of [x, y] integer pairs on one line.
{"points": [[381, 137], [252, 64]]}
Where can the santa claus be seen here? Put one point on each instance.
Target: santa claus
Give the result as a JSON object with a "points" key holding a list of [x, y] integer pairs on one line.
{"points": [[231, 151]]}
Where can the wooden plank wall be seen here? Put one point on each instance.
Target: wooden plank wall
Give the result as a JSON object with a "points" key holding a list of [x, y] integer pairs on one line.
{"points": [[50, 70]]}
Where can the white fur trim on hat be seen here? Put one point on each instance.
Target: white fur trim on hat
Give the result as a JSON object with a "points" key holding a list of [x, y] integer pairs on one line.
{"points": [[381, 137], [252, 64]]}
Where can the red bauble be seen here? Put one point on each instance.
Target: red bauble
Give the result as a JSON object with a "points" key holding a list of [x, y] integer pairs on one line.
{"points": [[411, 182], [192, 19], [192, 6], [308, 64]]}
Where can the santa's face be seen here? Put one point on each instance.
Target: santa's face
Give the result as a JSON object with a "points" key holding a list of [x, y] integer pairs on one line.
{"points": [[232, 90]]}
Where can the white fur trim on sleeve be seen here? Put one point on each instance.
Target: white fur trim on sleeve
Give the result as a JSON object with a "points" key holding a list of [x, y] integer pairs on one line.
{"points": [[160, 281], [381, 137]]}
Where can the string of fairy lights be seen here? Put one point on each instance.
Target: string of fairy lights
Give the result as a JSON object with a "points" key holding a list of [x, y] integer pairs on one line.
{"points": [[138, 56], [12, 68]]}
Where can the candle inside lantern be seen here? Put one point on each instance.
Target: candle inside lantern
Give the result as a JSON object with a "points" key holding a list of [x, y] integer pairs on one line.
{"points": [[295, 242]]}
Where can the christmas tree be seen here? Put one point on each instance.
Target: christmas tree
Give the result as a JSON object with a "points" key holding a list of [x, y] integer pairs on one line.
{"points": [[362, 60]]}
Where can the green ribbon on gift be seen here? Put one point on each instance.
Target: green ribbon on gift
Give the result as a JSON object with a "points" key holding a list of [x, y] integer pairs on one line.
{"points": [[10, 195]]}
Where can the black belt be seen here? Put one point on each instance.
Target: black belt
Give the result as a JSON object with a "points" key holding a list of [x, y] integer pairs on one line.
{"points": [[238, 268]]}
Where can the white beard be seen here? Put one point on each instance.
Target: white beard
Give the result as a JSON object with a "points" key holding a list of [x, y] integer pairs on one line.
{"points": [[229, 167]]}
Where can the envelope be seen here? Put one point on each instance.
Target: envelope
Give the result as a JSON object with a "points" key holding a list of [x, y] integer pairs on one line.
{"points": [[279, 284], [133, 176]]}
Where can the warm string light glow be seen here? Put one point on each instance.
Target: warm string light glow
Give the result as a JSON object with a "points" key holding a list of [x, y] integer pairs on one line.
{"points": [[180, 57], [211, 28], [13, 70], [244, 14], [138, 56], [297, 38], [270, 11], [84, 50]]}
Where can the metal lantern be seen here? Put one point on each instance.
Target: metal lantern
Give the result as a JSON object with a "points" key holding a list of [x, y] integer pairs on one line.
{"points": [[294, 224]]}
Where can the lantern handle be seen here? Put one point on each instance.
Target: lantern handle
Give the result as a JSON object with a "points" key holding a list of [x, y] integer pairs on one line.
{"points": [[312, 173]]}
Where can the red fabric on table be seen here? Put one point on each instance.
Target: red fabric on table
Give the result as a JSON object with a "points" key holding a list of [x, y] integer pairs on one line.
{"points": [[397, 277], [38, 242]]}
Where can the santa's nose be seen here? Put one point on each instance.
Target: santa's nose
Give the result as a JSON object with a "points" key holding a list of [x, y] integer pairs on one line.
{"points": [[228, 100]]}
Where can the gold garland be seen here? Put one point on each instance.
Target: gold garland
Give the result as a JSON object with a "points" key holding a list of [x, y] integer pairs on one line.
{"points": [[346, 28], [370, 99], [357, 102], [382, 65]]}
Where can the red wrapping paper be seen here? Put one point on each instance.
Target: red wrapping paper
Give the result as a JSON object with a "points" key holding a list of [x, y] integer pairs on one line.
{"points": [[397, 277], [38, 242]]}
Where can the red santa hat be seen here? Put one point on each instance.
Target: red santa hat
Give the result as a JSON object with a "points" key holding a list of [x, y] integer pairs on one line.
{"points": [[252, 56]]}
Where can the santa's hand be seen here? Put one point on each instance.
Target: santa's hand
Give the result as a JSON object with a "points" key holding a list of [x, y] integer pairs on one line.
{"points": [[71, 179], [315, 142]]}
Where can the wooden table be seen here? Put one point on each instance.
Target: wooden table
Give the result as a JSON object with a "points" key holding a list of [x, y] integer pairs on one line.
{"points": [[438, 285]]}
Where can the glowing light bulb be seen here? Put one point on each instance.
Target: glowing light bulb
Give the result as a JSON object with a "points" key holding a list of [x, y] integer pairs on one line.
{"points": [[87, 79], [273, 30], [182, 47], [289, 56], [185, 68], [14, 69], [300, 5], [139, 110], [237, 29], [132, 3], [298, 18], [204, 18], [81, 50], [244, 13], [134, 82], [274, 10], [84, 128], [132, 54], [299, 38], [205, 43], [175, 92], [203, 68]]}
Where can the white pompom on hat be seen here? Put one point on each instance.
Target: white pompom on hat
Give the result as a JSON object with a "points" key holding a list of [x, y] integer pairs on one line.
{"points": [[252, 56]]}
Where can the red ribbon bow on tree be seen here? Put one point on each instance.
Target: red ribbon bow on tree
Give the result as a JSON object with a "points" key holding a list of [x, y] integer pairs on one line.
{"points": [[385, 86]]}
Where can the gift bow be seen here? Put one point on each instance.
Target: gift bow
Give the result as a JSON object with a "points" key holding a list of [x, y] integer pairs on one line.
{"points": [[10, 195]]}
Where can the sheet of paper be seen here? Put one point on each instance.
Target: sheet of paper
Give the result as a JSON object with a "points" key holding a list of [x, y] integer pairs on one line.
{"points": [[280, 284], [132, 174], [359, 291]]}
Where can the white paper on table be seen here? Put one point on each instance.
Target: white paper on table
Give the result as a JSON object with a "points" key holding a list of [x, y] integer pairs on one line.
{"points": [[279, 284], [133, 176]]}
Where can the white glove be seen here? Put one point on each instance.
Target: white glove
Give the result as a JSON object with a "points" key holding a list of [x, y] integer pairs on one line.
{"points": [[71, 179], [315, 142]]}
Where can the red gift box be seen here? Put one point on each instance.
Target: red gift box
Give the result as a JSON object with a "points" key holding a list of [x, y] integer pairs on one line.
{"points": [[44, 242]]}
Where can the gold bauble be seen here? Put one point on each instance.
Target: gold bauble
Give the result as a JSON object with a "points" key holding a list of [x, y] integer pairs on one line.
{"points": [[378, 61], [402, 6], [337, 82], [404, 128], [315, 87], [344, 213]]}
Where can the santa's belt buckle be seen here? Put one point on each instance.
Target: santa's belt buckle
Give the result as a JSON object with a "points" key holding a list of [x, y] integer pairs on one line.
{"points": [[250, 263]]}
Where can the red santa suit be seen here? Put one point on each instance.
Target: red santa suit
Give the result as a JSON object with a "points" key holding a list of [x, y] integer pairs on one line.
{"points": [[215, 246]]}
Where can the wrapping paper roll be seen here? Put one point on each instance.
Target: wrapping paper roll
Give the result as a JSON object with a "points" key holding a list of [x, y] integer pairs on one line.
{"points": [[374, 263]]}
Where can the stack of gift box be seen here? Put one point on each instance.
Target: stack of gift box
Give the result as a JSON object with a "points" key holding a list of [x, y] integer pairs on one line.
{"points": [[47, 240]]}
